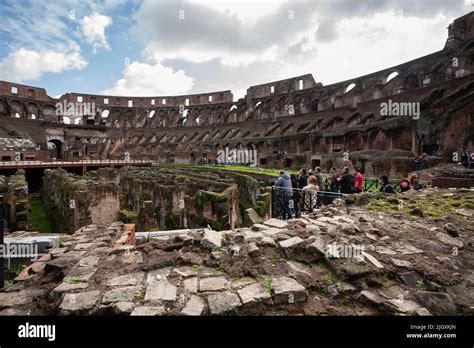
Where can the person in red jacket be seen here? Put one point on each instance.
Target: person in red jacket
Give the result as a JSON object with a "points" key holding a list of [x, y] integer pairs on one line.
{"points": [[358, 180], [404, 185]]}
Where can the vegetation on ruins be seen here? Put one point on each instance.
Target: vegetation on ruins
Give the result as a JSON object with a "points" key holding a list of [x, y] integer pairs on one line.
{"points": [[40, 221]]}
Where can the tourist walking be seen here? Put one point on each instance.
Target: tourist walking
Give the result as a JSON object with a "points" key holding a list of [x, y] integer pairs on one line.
{"points": [[312, 186], [319, 178], [417, 161], [286, 193], [310, 192], [385, 185], [334, 186], [415, 183], [358, 181], [294, 181], [302, 178]]}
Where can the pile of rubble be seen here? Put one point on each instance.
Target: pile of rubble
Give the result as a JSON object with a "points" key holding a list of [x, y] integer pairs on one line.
{"points": [[345, 259], [450, 170]]}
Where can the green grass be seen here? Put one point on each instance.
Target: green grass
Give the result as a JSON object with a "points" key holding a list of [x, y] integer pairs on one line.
{"points": [[14, 271], [247, 169], [329, 278], [267, 284], [72, 280], [39, 219]]}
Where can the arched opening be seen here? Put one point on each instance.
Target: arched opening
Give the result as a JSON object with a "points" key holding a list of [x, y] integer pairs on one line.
{"points": [[391, 76], [350, 87], [355, 141], [55, 147], [17, 115], [378, 141], [33, 116]]}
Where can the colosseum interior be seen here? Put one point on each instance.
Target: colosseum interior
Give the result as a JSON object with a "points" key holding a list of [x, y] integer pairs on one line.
{"points": [[291, 123], [136, 182]]}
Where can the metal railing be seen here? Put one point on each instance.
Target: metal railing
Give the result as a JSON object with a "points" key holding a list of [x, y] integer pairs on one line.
{"points": [[291, 203], [374, 184]]}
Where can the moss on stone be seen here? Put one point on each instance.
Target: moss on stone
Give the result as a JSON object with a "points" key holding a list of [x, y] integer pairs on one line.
{"points": [[172, 221], [128, 216], [263, 203], [204, 196]]}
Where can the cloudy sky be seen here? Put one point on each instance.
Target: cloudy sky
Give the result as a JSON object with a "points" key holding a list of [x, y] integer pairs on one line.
{"points": [[151, 47]]}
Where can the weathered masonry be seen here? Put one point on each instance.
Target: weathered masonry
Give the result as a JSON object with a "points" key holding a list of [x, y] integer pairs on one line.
{"points": [[152, 198]]}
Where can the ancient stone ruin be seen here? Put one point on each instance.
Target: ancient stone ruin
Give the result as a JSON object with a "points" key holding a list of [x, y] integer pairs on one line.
{"points": [[136, 211], [15, 192], [299, 266], [165, 198]]}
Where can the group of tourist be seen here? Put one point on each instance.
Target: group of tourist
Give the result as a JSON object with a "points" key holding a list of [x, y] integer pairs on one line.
{"points": [[348, 182], [300, 187], [312, 181]]}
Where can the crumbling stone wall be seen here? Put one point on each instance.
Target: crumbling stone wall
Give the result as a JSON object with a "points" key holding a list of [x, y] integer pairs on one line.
{"points": [[173, 198], [74, 201], [178, 198], [152, 198], [14, 190]]}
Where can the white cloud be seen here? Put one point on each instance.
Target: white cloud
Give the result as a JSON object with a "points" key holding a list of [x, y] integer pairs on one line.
{"points": [[238, 33], [25, 64], [140, 79], [93, 28], [156, 54], [247, 11], [220, 45], [370, 44]]}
